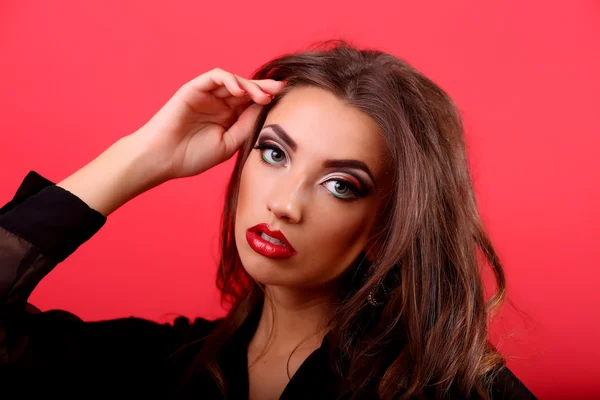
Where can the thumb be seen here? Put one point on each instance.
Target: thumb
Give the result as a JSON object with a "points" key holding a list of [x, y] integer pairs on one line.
{"points": [[241, 130]]}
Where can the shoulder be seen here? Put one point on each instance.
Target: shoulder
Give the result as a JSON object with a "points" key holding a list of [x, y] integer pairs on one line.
{"points": [[182, 369], [127, 332], [192, 334], [195, 330], [506, 386]]}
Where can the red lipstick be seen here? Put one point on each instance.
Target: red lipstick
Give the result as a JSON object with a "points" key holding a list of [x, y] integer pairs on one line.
{"points": [[264, 247]]}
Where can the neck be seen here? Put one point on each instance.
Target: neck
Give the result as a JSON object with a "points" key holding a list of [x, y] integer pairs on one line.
{"points": [[291, 318]]}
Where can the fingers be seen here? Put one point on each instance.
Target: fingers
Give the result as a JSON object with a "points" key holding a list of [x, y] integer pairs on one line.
{"points": [[241, 130], [214, 79], [270, 85], [258, 91], [238, 101], [223, 84], [262, 91]]}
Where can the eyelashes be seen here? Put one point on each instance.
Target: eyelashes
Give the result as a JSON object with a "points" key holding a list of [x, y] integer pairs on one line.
{"points": [[274, 149], [274, 155]]}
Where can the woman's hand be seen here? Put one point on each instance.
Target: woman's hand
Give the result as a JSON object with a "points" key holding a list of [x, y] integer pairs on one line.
{"points": [[202, 125], [205, 122]]}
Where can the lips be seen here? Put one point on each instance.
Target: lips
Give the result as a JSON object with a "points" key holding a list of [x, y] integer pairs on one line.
{"points": [[266, 248]]}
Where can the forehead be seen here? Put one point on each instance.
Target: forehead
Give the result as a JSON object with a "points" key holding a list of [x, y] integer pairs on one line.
{"points": [[325, 127]]}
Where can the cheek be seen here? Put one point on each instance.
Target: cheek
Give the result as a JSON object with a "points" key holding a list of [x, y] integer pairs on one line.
{"points": [[251, 185], [343, 221], [339, 234], [338, 224], [243, 195]]}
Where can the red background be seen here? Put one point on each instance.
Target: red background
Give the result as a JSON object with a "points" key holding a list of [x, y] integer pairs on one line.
{"points": [[76, 76]]}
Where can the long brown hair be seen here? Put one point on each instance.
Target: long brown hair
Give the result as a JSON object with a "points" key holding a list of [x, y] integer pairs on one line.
{"points": [[428, 337]]}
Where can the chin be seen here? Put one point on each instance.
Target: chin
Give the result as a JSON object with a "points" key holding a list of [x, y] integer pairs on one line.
{"points": [[265, 270]]}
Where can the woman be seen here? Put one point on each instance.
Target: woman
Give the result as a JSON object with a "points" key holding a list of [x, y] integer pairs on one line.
{"points": [[348, 255]]}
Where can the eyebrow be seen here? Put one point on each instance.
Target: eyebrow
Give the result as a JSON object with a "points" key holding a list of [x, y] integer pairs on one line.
{"points": [[283, 135], [355, 164]]}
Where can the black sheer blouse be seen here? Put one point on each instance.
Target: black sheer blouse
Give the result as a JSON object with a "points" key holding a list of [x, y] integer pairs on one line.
{"points": [[56, 354]]}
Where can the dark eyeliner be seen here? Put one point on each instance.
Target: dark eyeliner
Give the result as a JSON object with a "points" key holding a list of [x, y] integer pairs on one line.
{"points": [[261, 145], [364, 189], [358, 193]]}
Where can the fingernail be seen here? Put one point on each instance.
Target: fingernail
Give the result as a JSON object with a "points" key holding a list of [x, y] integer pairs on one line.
{"points": [[272, 96]]}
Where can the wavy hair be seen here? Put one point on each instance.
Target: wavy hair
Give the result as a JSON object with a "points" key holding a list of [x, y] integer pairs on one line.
{"points": [[428, 334]]}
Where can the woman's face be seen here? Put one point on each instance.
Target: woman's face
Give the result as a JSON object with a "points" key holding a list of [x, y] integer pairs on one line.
{"points": [[317, 177]]}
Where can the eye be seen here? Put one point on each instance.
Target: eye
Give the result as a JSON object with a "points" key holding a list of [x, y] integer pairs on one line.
{"points": [[271, 154], [342, 189]]}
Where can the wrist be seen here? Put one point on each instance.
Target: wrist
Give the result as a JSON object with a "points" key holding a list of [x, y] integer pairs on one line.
{"points": [[122, 172], [141, 167]]}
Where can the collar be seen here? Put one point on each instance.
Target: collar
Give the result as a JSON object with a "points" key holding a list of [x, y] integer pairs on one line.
{"points": [[314, 379]]}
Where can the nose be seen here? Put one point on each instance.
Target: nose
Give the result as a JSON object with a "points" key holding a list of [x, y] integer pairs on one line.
{"points": [[285, 198]]}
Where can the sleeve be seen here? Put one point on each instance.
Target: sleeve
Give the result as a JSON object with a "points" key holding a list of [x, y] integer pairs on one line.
{"points": [[506, 386], [40, 227]]}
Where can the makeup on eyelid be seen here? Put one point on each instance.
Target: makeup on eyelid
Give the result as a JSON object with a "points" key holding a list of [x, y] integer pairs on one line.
{"points": [[354, 185], [359, 165]]}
